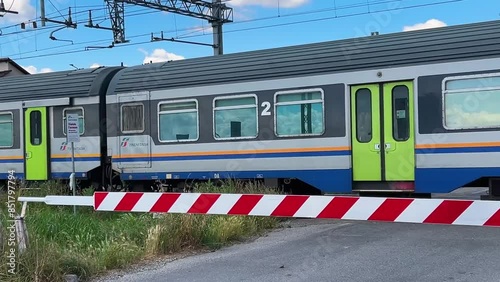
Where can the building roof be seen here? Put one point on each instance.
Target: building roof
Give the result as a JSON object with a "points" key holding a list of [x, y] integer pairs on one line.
{"points": [[12, 62], [5, 73]]}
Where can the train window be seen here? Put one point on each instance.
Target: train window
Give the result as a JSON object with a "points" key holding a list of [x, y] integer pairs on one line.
{"points": [[81, 119], [299, 113], [471, 102], [6, 130], [235, 117], [36, 128], [132, 118], [178, 121], [364, 115], [400, 113]]}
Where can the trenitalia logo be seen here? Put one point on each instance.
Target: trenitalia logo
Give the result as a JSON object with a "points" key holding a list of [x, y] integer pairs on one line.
{"points": [[126, 143], [67, 147]]}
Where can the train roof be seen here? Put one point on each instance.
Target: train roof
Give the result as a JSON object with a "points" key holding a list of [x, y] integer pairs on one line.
{"points": [[74, 83], [444, 44]]}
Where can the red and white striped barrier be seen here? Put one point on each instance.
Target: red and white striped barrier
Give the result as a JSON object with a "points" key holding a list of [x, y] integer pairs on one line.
{"points": [[427, 211]]}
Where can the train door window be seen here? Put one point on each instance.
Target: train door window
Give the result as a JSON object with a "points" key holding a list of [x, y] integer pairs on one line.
{"points": [[81, 118], [235, 117], [400, 113], [178, 121], [364, 115], [36, 128], [471, 102], [299, 113], [132, 118], [6, 130]]}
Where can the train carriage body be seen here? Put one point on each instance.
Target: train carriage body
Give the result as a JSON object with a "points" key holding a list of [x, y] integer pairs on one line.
{"points": [[386, 112], [34, 142]]}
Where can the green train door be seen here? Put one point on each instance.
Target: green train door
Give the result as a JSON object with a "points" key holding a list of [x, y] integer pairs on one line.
{"points": [[36, 143], [383, 134]]}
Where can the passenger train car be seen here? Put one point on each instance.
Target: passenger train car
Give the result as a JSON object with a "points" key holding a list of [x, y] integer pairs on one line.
{"points": [[415, 112]]}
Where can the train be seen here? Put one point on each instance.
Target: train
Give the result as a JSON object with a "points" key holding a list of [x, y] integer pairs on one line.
{"points": [[414, 112]]}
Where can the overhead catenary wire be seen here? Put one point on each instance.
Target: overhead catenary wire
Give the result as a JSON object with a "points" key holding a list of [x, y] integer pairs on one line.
{"points": [[51, 27], [230, 31], [21, 57], [105, 17], [335, 8]]}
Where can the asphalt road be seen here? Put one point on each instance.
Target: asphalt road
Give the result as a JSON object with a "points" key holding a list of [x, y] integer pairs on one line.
{"points": [[325, 250]]}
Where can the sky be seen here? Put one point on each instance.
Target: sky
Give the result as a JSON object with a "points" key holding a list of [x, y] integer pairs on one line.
{"points": [[256, 25]]}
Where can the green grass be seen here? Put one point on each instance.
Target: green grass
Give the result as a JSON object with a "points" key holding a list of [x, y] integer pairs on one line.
{"points": [[89, 243]]}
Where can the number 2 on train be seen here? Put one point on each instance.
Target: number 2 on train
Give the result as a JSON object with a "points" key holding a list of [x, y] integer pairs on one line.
{"points": [[267, 106]]}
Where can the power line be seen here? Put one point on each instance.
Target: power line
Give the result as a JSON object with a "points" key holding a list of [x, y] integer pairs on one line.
{"points": [[244, 29], [215, 12], [237, 22], [336, 8]]}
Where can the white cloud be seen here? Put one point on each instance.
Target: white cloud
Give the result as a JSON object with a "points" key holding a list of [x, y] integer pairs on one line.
{"points": [[23, 7], [243, 14], [94, 65], [34, 70], [457, 118], [432, 23], [160, 55], [269, 3], [243, 8], [202, 29]]}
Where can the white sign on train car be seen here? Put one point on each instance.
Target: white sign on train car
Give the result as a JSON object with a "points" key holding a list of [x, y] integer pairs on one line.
{"points": [[72, 128]]}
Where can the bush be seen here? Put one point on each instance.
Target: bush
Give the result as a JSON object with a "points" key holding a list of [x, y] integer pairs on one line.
{"points": [[90, 243]]}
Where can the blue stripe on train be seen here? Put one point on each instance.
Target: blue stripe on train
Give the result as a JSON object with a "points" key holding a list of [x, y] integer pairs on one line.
{"points": [[445, 180], [235, 156], [264, 155], [214, 157], [329, 181], [428, 180], [333, 180], [11, 161], [458, 150], [16, 175], [84, 159]]}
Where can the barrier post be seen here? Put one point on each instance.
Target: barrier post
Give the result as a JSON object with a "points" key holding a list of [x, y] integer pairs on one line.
{"points": [[73, 135], [21, 230]]}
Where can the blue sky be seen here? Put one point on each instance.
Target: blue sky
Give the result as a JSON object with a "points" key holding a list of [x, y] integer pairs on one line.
{"points": [[258, 24]]}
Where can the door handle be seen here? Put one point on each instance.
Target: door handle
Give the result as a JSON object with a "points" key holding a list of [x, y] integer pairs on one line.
{"points": [[28, 155], [389, 147], [377, 147]]}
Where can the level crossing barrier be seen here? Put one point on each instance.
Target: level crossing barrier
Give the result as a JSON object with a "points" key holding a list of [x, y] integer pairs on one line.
{"points": [[404, 210]]}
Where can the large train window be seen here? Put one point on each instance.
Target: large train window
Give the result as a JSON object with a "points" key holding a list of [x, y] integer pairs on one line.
{"points": [[81, 119], [400, 113], [132, 118], [235, 117], [364, 115], [299, 113], [36, 128], [178, 121], [6, 130], [471, 102]]}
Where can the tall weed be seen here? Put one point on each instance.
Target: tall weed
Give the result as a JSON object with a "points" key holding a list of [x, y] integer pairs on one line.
{"points": [[90, 243]]}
